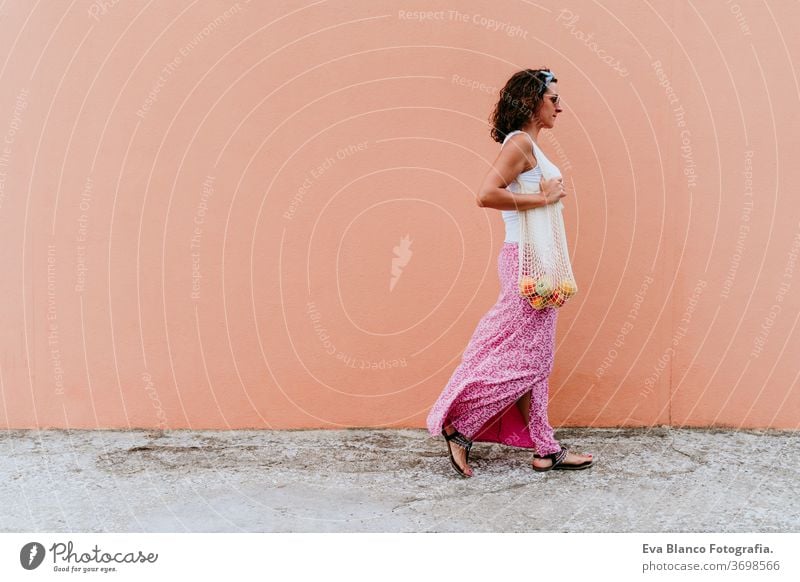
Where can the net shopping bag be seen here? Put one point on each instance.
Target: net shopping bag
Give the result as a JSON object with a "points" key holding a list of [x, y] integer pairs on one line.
{"points": [[545, 272]]}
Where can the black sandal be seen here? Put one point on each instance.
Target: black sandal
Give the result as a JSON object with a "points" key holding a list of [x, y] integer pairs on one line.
{"points": [[558, 462], [462, 441]]}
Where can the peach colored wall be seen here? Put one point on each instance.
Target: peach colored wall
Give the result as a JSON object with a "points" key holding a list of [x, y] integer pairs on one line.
{"points": [[200, 202]]}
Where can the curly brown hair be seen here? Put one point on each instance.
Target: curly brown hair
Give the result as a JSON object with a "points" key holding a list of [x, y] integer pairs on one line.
{"points": [[519, 100]]}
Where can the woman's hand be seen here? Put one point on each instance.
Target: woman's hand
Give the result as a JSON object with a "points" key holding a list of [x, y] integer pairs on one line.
{"points": [[552, 190]]}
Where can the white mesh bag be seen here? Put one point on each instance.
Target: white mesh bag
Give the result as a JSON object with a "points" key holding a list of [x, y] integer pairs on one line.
{"points": [[545, 272]]}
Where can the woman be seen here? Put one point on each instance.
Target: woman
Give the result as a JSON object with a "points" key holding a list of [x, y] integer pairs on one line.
{"points": [[499, 391]]}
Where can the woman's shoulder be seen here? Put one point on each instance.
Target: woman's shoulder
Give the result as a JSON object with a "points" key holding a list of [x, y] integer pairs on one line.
{"points": [[520, 144], [520, 139]]}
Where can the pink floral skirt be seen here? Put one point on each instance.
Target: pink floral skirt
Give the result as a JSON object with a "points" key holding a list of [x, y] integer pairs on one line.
{"points": [[511, 353]]}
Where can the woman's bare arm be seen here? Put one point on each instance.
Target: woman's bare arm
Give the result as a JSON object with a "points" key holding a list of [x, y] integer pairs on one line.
{"points": [[510, 162]]}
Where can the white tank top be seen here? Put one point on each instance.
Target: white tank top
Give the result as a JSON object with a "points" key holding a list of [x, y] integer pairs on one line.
{"points": [[530, 180]]}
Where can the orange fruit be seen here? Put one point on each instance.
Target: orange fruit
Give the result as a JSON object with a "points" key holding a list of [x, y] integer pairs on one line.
{"points": [[538, 302], [527, 286], [567, 288], [557, 299]]}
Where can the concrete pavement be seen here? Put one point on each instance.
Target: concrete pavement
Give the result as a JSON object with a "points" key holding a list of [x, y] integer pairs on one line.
{"points": [[363, 480]]}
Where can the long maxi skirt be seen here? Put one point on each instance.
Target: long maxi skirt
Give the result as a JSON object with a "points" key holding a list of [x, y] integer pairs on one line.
{"points": [[511, 352]]}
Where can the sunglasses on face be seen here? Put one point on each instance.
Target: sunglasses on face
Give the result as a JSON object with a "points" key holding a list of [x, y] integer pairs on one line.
{"points": [[556, 99]]}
